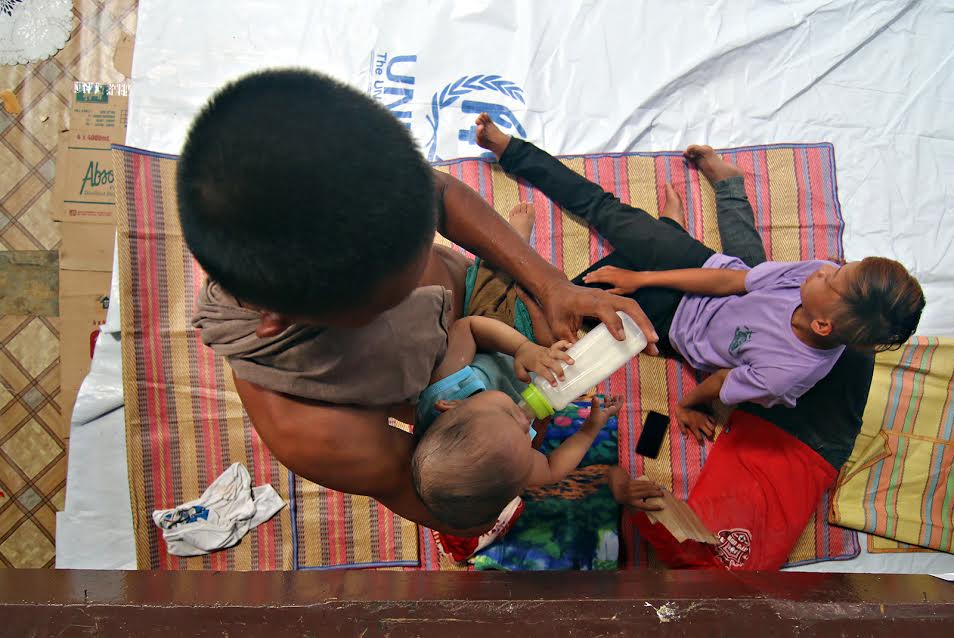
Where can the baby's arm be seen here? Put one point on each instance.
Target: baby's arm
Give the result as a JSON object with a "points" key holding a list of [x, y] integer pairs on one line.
{"points": [[563, 460], [714, 282], [470, 334]]}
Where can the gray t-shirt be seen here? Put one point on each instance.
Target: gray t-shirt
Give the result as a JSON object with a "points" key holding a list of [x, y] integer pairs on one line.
{"points": [[386, 362]]}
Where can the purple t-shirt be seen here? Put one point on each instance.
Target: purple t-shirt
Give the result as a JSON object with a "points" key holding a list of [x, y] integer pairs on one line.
{"points": [[752, 334]]}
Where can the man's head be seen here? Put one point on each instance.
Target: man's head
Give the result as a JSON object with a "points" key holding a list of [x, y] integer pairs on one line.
{"points": [[874, 303], [304, 198], [473, 460]]}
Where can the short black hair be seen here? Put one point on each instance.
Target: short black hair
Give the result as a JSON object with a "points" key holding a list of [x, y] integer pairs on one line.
{"points": [[299, 194], [463, 471]]}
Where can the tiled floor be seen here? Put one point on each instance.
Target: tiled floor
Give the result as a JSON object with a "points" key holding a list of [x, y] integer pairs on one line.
{"points": [[32, 453]]}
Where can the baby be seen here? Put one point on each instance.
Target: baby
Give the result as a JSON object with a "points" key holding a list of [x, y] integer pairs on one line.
{"points": [[475, 452]]}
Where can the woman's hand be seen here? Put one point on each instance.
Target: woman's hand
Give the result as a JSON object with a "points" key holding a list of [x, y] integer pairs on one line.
{"points": [[624, 282], [699, 424], [633, 493]]}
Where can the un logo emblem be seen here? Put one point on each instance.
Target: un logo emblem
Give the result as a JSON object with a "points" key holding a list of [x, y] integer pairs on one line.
{"points": [[474, 94]]}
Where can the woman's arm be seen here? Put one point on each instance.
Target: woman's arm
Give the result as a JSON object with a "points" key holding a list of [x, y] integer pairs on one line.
{"points": [[714, 282]]}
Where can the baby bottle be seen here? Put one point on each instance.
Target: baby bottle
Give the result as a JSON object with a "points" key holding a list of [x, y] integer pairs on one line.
{"points": [[595, 357]]}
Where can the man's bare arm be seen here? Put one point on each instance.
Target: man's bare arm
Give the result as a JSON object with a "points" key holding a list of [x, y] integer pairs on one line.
{"points": [[348, 449], [469, 221]]}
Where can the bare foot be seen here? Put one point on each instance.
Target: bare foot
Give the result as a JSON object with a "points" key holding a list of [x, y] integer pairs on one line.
{"points": [[712, 166], [521, 218], [490, 137], [673, 208]]}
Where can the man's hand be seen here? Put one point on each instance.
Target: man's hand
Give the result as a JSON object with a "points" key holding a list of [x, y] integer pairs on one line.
{"points": [[565, 305], [599, 415], [632, 493], [545, 362], [624, 282], [699, 424]]}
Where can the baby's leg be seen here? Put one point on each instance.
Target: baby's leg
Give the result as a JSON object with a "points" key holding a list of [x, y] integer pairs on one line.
{"points": [[733, 210], [521, 218], [493, 293], [672, 209]]}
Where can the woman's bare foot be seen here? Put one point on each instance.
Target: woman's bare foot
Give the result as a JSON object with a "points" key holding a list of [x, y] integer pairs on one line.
{"points": [[521, 218], [673, 208], [490, 137], [712, 166]]}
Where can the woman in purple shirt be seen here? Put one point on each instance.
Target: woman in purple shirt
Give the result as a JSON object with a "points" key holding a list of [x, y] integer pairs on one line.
{"points": [[766, 331]]}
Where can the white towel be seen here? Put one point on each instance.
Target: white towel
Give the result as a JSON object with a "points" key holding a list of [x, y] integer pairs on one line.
{"points": [[218, 519]]}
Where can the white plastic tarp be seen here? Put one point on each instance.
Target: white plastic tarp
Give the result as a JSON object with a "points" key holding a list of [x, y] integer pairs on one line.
{"points": [[875, 78]]}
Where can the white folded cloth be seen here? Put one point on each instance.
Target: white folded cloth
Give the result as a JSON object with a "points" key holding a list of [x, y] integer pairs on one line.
{"points": [[218, 519]]}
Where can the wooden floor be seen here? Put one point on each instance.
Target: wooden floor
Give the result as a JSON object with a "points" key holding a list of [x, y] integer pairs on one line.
{"points": [[368, 603]]}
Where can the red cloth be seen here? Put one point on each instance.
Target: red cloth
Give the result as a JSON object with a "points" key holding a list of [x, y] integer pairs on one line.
{"points": [[757, 491], [460, 548]]}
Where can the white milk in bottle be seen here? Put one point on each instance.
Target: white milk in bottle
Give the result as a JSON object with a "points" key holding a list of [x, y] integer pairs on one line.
{"points": [[595, 357]]}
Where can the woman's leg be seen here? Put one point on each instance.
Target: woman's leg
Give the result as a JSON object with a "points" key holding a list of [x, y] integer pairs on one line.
{"points": [[648, 243], [733, 210]]}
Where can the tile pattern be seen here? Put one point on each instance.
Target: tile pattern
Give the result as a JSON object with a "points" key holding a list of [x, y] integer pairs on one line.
{"points": [[32, 455], [29, 280]]}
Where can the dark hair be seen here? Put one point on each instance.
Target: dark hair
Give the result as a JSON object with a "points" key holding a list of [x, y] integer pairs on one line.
{"points": [[300, 195], [460, 476], [882, 305]]}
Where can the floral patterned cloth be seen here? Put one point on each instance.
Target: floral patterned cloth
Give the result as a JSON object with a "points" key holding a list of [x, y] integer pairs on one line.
{"points": [[572, 525]]}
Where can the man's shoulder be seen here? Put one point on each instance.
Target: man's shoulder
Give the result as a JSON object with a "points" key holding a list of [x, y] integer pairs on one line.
{"points": [[274, 410]]}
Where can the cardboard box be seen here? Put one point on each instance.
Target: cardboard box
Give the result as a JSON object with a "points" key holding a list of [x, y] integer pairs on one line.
{"points": [[123, 56], [84, 189], [100, 108], [87, 246], [84, 298]]}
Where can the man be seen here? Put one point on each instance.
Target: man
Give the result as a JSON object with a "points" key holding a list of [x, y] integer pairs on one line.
{"points": [[314, 215]]}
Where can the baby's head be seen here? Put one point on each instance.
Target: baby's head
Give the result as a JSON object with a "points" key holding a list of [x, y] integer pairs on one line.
{"points": [[874, 303], [473, 460]]}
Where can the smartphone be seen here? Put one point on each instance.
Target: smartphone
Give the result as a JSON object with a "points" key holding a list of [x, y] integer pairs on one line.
{"points": [[654, 431]]}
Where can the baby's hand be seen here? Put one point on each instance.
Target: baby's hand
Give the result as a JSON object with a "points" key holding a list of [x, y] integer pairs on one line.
{"points": [[624, 282], [600, 415], [546, 362]]}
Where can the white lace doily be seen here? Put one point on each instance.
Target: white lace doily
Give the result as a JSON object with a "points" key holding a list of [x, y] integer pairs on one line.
{"points": [[32, 30]]}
